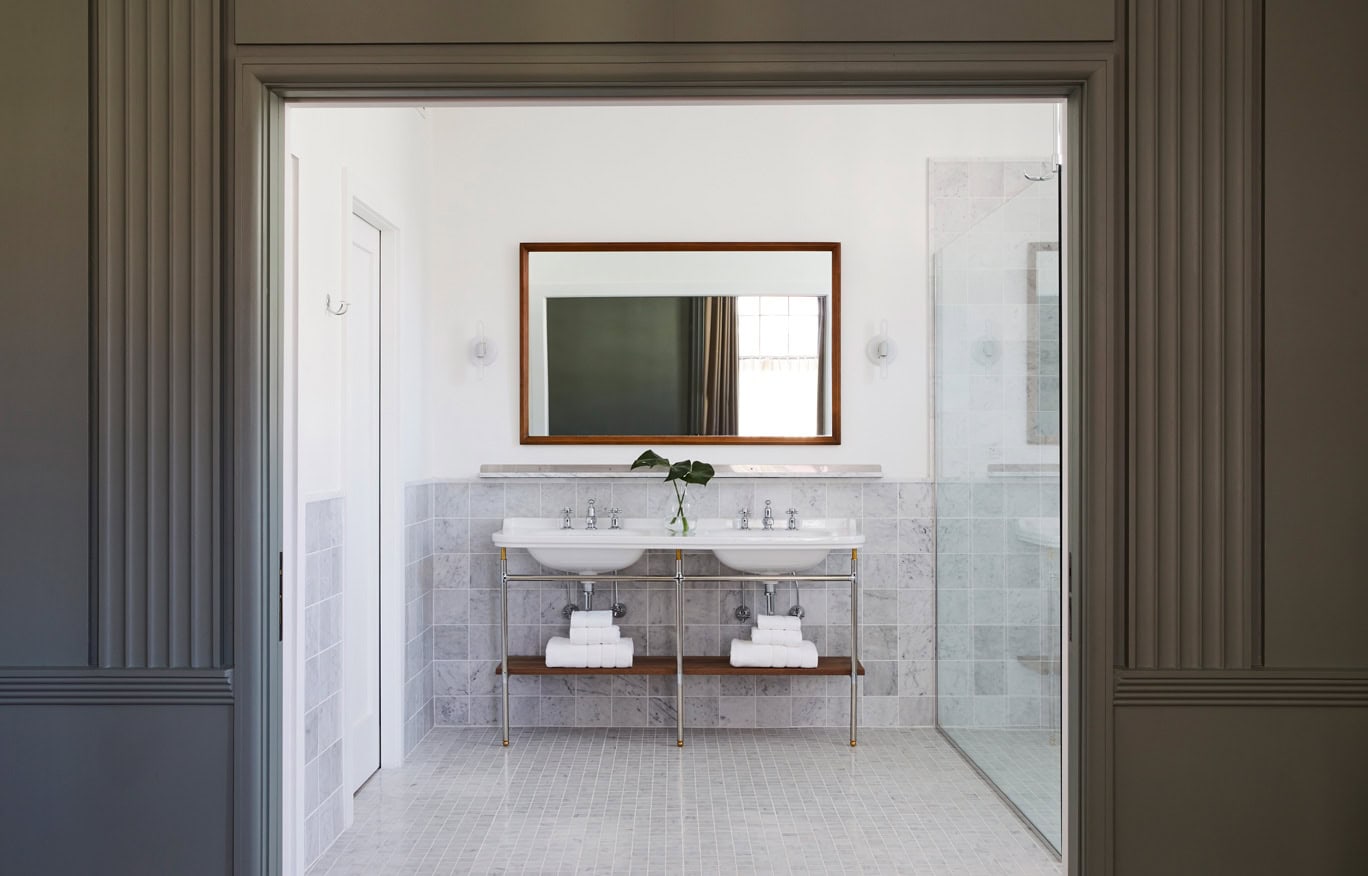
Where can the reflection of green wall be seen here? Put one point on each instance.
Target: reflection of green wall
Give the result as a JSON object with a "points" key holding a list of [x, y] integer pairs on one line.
{"points": [[618, 366]]}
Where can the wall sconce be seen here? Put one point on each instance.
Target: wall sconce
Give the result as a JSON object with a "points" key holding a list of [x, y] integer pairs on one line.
{"points": [[881, 350], [482, 351]]}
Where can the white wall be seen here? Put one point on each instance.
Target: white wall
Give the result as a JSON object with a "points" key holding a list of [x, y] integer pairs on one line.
{"points": [[853, 173], [379, 156]]}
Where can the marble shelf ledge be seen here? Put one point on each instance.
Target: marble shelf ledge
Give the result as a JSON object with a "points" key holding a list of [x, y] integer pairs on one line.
{"points": [[777, 470]]}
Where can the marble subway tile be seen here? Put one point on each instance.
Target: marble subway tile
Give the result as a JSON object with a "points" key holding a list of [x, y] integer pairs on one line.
{"points": [[916, 499], [451, 535], [629, 711], [736, 711], [487, 499], [324, 524], [450, 499], [482, 530], [417, 502], [521, 500]]}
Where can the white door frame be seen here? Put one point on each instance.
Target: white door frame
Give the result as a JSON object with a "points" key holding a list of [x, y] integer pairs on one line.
{"points": [[392, 606], [361, 451]]}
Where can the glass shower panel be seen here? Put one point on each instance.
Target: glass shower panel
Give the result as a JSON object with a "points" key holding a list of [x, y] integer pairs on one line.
{"points": [[996, 263]]}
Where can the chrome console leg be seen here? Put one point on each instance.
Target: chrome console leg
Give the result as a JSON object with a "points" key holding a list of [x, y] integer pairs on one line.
{"points": [[679, 647], [854, 643], [503, 637]]}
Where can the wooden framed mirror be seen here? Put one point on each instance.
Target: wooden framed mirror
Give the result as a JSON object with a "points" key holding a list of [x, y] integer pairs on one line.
{"points": [[680, 343]]}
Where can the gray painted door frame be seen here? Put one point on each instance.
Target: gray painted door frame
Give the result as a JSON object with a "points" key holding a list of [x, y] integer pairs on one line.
{"points": [[263, 78]]}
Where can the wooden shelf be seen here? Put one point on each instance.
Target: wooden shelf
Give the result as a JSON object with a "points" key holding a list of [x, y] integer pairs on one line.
{"points": [[666, 666]]}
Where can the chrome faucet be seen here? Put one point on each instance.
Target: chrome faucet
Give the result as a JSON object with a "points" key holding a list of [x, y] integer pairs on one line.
{"points": [[565, 517], [745, 518], [768, 519], [614, 522], [793, 518], [591, 519]]}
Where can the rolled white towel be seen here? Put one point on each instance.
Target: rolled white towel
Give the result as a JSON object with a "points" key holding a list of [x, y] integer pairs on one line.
{"points": [[776, 637], [560, 651], [752, 654], [776, 622], [591, 619], [594, 635]]}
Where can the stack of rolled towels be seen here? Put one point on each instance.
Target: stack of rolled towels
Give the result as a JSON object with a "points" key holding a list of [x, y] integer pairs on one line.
{"points": [[776, 642], [594, 643]]}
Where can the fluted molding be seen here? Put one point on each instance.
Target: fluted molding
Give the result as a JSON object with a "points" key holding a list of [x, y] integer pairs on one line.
{"points": [[156, 333], [1242, 688], [124, 687], [1193, 597]]}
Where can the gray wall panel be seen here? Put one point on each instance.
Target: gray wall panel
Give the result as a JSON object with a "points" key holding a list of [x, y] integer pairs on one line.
{"points": [[1194, 299], [156, 333], [44, 366], [1250, 789], [630, 21], [1316, 269], [124, 789]]}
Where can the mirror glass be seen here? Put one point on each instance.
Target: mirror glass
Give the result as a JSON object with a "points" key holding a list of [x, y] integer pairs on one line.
{"points": [[681, 342]]}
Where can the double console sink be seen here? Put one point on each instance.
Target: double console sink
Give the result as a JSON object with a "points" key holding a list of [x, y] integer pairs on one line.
{"points": [[753, 551]]}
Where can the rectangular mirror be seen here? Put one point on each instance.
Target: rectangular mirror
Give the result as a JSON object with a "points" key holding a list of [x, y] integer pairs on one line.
{"points": [[681, 343]]}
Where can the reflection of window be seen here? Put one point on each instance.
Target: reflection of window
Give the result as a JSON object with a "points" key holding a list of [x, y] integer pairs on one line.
{"points": [[779, 385]]}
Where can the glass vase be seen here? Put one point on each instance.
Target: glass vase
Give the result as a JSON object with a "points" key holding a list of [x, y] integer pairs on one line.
{"points": [[679, 522]]}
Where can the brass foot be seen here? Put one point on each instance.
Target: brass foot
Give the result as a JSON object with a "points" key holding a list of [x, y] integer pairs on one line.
{"points": [[506, 743], [680, 743], [852, 743]]}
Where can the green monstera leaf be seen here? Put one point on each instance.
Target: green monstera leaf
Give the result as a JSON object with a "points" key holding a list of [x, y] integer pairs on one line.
{"points": [[689, 471], [686, 471], [650, 459], [699, 473]]}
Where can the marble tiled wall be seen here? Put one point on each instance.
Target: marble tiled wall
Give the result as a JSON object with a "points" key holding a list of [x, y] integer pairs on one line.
{"points": [[898, 609], [418, 608], [997, 352], [999, 606], [997, 406], [324, 525]]}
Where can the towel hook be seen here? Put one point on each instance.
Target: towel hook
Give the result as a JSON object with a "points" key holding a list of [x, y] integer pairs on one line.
{"points": [[342, 306]]}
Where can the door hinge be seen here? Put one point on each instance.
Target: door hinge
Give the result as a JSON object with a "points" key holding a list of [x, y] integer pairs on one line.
{"points": [[1068, 582], [280, 591]]}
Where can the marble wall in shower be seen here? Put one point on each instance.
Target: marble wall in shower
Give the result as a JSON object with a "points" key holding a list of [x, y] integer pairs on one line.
{"points": [[897, 608], [998, 603]]}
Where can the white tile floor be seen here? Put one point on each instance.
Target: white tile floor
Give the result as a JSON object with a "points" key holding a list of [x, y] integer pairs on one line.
{"points": [[732, 801], [1025, 765]]}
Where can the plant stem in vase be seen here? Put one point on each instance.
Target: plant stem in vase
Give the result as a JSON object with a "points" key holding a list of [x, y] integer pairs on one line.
{"points": [[680, 474]]}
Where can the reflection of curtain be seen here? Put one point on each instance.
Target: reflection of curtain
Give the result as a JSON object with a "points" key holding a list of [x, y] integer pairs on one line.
{"points": [[821, 366], [714, 359]]}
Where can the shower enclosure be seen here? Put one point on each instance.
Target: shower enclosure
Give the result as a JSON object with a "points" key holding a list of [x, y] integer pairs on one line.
{"points": [[995, 229]]}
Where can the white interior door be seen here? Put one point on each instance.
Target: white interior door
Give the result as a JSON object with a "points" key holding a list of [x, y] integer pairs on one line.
{"points": [[361, 461]]}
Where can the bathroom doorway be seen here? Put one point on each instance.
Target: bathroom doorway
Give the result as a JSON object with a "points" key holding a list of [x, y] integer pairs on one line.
{"points": [[343, 602], [453, 414]]}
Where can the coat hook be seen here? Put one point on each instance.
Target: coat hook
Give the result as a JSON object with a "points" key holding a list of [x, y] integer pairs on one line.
{"points": [[342, 306]]}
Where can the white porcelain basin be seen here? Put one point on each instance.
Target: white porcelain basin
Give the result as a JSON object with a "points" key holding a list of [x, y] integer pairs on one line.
{"points": [[1042, 531], [580, 550], [757, 551], [754, 551]]}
